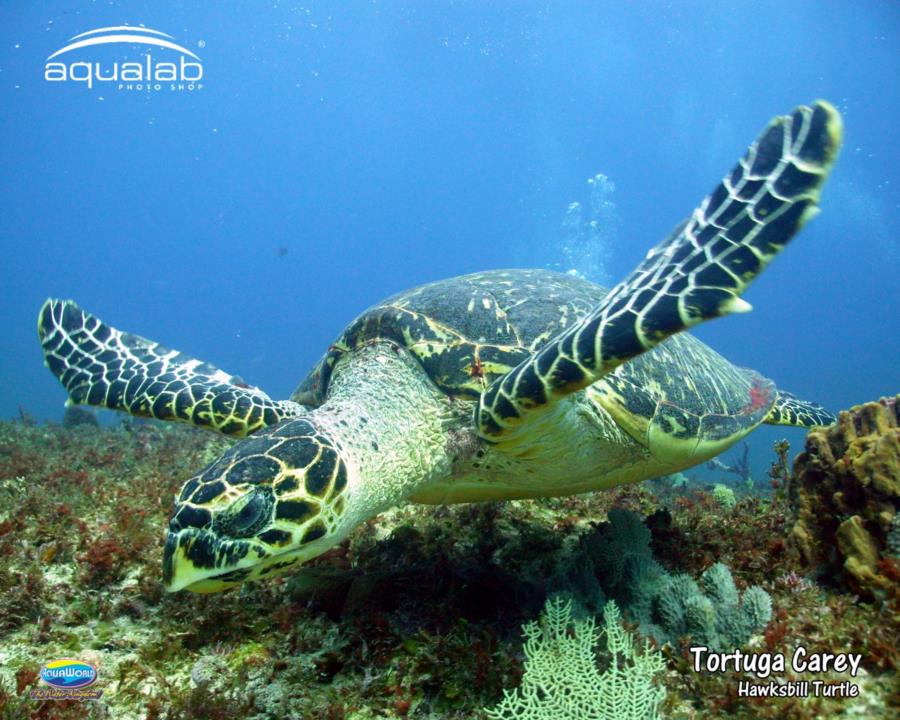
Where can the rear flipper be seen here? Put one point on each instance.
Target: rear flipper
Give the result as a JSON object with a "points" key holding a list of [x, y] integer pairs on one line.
{"points": [[99, 365], [791, 410]]}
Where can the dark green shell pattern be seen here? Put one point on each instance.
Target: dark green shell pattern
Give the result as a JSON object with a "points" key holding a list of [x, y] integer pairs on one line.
{"points": [[468, 331]]}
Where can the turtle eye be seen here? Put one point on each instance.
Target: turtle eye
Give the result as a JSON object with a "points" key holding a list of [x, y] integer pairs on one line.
{"points": [[248, 515]]}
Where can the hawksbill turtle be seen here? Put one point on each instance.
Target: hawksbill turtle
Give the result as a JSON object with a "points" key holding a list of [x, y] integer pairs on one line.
{"points": [[497, 385]]}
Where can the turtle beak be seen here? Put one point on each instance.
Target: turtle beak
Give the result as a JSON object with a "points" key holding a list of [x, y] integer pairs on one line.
{"points": [[191, 557], [177, 574]]}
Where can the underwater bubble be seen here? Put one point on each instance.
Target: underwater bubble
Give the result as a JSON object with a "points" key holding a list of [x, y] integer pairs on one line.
{"points": [[588, 236]]}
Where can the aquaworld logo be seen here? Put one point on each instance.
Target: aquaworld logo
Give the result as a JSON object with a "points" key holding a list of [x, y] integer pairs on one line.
{"points": [[150, 74], [67, 679]]}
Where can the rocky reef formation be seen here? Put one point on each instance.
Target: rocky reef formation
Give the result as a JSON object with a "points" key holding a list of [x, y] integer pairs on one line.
{"points": [[845, 496]]}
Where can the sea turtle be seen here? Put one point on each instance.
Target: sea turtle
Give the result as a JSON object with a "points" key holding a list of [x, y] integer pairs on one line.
{"points": [[496, 385]]}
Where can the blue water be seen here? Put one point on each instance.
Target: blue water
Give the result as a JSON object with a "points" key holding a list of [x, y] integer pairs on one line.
{"points": [[339, 152]]}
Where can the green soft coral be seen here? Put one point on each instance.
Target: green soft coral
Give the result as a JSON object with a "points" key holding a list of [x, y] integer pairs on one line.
{"points": [[712, 613], [562, 679], [724, 496], [666, 607]]}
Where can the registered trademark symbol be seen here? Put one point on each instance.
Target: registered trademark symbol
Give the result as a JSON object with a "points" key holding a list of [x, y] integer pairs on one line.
{"points": [[201, 43]]}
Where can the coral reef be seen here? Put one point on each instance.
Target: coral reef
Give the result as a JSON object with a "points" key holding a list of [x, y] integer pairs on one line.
{"points": [[740, 467], [562, 680], [77, 415], [417, 614], [724, 495], [715, 616], [892, 544], [668, 608], [845, 494]]}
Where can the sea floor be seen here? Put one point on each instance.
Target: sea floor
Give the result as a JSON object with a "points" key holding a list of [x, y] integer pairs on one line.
{"points": [[418, 615]]}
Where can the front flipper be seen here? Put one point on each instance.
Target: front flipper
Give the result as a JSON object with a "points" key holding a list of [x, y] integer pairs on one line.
{"points": [[696, 274], [99, 365]]}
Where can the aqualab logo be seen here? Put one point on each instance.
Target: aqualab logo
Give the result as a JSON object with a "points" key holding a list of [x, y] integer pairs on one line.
{"points": [[150, 74]]}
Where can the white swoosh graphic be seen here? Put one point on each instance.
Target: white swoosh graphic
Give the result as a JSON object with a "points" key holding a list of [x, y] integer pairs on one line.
{"points": [[135, 39], [129, 28]]}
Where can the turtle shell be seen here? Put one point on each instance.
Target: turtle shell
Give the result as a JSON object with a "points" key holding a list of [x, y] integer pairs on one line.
{"points": [[467, 331]]}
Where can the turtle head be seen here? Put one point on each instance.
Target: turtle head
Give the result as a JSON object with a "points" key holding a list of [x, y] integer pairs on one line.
{"points": [[272, 501]]}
